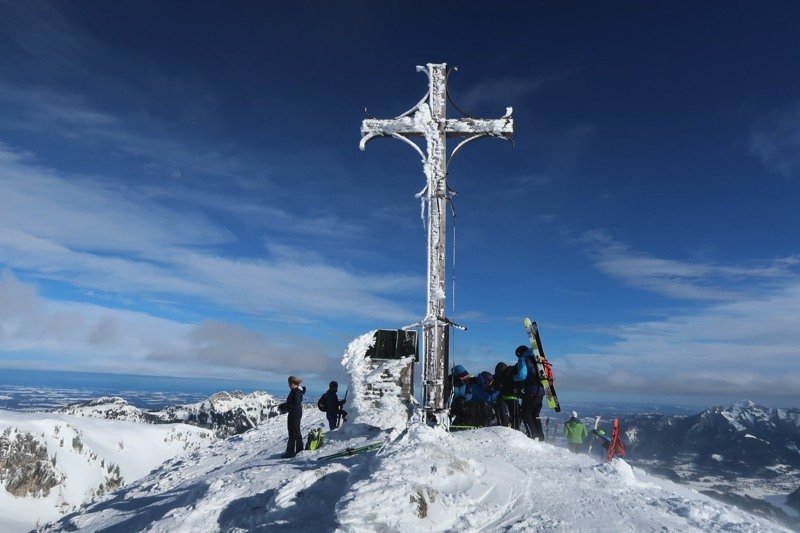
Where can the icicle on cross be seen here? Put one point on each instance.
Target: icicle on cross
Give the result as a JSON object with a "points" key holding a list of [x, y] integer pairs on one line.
{"points": [[428, 119]]}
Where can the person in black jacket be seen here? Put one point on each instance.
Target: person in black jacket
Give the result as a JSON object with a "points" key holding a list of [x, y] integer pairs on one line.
{"points": [[508, 403], [294, 407], [333, 406]]}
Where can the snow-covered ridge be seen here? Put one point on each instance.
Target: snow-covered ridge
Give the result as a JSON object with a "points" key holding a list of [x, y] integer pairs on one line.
{"points": [[52, 463], [226, 413]]}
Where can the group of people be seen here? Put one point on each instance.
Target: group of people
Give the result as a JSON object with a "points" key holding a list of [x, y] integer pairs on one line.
{"points": [[293, 406], [512, 396]]}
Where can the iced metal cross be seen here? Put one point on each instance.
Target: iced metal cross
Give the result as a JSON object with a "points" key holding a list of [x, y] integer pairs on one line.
{"points": [[428, 119]]}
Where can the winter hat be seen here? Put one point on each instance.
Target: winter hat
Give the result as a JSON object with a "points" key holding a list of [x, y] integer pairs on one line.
{"points": [[333, 385], [520, 351], [460, 372], [295, 380], [574, 414], [500, 367], [487, 378]]}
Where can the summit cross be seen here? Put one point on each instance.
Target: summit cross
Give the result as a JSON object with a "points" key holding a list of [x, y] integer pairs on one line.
{"points": [[428, 119]]}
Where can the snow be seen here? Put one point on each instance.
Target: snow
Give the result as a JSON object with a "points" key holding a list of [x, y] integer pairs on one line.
{"points": [[425, 480], [136, 448], [384, 411], [421, 479], [749, 436], [779, 500]]}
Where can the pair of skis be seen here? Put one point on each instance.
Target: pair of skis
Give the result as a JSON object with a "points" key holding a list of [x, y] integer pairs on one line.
{"points": [[614, 444], [544, 369], [616, 447], [348, 452]]}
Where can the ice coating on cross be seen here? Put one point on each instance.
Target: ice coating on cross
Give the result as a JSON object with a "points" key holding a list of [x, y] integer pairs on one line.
{"points": [[428, 119]]}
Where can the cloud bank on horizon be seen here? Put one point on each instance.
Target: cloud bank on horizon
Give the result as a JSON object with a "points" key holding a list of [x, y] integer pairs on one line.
{"points": [[200, 208]]}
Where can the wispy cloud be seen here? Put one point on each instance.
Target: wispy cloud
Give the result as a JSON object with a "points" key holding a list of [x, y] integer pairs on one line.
{"points": [[776, 142], [679, 279], [83, 233], [737, 337], [746, 348], [510, 89]]}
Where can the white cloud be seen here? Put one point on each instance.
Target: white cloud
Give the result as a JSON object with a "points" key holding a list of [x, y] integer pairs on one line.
{"points": [[95, 236], [682, 279], [740, 339], [88, 337]]}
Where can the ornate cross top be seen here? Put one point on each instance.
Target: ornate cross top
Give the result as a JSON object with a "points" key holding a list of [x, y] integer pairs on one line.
{"points": [[428, 119]]}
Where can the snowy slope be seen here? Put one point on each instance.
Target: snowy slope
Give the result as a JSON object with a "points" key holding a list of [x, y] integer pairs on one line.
{"points": [[422, 479], [53, 463], [492, 478]]}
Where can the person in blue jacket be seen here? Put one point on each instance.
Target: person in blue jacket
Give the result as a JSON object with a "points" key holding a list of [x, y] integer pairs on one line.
{"points": [[532, 392], [482, 390], [462, 386], [462, 393], [293, 406]]}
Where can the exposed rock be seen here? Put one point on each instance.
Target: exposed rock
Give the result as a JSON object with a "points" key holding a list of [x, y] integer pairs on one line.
{"points": [[25, 467]]}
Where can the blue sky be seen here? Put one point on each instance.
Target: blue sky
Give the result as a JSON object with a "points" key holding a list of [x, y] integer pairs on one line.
{"points": [[181, 190]]}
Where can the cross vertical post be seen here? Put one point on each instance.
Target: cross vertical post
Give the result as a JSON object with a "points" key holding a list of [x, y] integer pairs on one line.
{"points": [[428, 119]]}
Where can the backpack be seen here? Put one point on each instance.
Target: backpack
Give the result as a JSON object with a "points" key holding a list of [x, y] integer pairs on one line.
{"points": [[321, 403], [532, 384], [315, 439]]}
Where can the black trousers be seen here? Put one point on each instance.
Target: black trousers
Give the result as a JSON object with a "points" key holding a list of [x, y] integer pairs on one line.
{"points": [[295, 443], [531, 407], [333, 421]]}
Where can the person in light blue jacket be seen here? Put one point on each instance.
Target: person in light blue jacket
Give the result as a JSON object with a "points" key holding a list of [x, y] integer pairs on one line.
{"points": [[532, 392], [462, 383], [462, 393]]}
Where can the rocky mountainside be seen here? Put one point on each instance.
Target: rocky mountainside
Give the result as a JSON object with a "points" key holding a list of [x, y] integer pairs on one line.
{"points": [[225, 413], [743, 454]]}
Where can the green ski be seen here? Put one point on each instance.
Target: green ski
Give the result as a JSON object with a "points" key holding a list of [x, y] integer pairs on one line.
{"points": [[347, 452], [543, 366]]}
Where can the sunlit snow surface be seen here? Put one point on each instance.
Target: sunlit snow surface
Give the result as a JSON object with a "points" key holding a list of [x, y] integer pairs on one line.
{"points": [[492, 478], [423, 479], [136, 448]]}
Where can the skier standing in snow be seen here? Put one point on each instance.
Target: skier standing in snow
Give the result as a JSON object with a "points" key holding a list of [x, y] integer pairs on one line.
{"points": [[532, 392], [333, 406], [508, 404], [575, 431], [294, 407]]}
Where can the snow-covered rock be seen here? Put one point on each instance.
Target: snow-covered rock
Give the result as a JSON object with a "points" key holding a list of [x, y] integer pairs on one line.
{"points": [[374, 395], [226, 413], [52, 463]]}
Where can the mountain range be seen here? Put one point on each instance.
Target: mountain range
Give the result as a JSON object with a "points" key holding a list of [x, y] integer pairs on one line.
{"points": [[745, 454]]}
